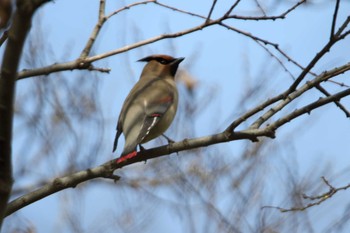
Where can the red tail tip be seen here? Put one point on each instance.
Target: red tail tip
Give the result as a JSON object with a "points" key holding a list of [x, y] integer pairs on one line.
{"points": [[126, 157]]}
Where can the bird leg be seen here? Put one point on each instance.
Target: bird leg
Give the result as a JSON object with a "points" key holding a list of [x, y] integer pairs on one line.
{"points": [[141, 148], [168, 139]]}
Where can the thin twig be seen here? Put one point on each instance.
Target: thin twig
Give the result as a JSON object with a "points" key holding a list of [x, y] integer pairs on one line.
{"points": [[278, 60], [317, 199], [293, 8], [82, 63], [85, 63], [326, 93], [342, 28], [179, 10], [308, 108], [291, 96], [106, 170], [211, 11], [99, 69], [342, 36], [255, 38], [260, 7], [338, 36], [128, 7], [96, 30], [334, 21], [252, 112], [265, 17], [231, 9]]}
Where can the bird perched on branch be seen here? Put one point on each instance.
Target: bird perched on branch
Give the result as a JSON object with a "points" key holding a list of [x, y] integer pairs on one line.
{"points": [[151, 105]]}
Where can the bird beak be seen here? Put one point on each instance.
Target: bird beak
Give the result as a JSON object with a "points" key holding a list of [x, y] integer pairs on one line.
{"points": [[177, 61], [143, 59]]}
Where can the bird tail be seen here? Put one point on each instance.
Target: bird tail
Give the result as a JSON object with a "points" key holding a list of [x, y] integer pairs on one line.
{"points": [[119, 132]]}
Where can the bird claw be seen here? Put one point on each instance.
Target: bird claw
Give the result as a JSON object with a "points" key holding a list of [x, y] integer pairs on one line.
{"points": [[141, 148], [168, 139]]}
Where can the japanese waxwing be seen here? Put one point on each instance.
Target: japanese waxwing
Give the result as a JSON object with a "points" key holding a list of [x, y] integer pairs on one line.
{"points": [[151, 105]]}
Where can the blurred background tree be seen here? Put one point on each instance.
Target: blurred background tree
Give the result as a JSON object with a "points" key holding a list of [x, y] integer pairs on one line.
{"points": [[78, 65]]}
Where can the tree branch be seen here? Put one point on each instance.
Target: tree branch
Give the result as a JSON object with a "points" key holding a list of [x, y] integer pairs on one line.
{"points": [[83, 62], [128, 7], [95, 32], [308, 108], [255, 131], [211, 11], [334, 21], [317, 199], [106, 170], [16, 38], [326, 93], [227, 14], [58, 184], [290, 97]]}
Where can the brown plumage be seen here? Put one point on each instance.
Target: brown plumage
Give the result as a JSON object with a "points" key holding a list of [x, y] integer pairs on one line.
{"points": [[151, 105]]}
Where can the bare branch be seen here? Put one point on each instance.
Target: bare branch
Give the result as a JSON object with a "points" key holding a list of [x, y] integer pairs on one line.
{"points": [[58, 184], [84, 62], [95, 32], [258, 40], [227, 14], [211, 11], [334, 21], [338, 34], [128, 7], [308, 68], [308, 108], [106, 170], [252, 112], [265, 17], [77, 64], [179, 10], [320, 54], [279, 60], [318, 199], [13, 51], [293, 8], [260, 7], [321, 78], [326, 93], [342, 36], [99, 69], [101, 20]]}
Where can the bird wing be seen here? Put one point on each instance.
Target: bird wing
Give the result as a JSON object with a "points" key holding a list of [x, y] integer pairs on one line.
{"points": [[133, 94], [158, 106]]}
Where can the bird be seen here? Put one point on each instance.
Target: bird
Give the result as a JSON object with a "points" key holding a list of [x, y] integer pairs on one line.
{"points": [[151, 105]]}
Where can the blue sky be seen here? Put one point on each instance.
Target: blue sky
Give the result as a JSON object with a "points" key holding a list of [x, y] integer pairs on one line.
{"points": [[225, 62]]}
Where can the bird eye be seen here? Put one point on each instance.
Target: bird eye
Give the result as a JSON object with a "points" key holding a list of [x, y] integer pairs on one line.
{"points": [[163, 61]]}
